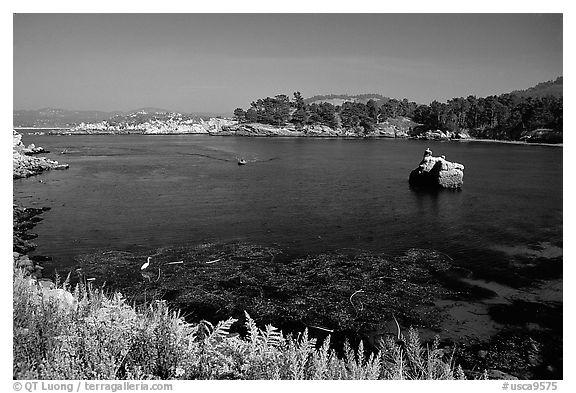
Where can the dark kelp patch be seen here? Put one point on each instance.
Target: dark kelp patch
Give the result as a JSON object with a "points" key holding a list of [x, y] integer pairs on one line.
{"points": [[339, 291]]}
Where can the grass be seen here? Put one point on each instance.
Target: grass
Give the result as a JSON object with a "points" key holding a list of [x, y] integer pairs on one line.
{"points": [[84, 333]]}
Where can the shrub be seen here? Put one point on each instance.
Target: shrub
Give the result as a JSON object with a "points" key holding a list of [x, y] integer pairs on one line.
{"points": [[88, 334]]}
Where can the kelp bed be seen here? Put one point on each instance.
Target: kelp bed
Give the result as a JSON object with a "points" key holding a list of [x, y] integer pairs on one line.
{"points": [[350, 294], [348, 290]]}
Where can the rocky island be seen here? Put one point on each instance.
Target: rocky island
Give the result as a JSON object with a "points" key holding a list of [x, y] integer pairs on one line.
{"points": [[437, 172]]}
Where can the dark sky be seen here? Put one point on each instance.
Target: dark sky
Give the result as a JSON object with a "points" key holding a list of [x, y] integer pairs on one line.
{"points": [[217, 62]]}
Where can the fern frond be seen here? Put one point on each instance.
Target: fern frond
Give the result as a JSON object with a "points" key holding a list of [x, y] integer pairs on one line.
{"points": [[253, 330], [414, 354], [321, 360], [350, 359], [460, 373], [371, 368], [222, 329], [272, 337]]}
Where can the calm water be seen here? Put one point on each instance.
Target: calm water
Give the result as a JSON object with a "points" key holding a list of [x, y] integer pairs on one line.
{"points": [[306, 195]]}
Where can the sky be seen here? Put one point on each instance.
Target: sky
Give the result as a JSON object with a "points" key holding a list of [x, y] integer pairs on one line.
{"points": [[218, 62]]}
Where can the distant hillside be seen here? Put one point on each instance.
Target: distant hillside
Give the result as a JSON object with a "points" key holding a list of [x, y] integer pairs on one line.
{"points": [[550, 88], [339, 99], [52, 117], [148, 109], [63, 118]]}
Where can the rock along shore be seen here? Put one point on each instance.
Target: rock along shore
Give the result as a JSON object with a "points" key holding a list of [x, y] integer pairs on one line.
{"points": [[25, 218], [25, 164], [392, 128]]}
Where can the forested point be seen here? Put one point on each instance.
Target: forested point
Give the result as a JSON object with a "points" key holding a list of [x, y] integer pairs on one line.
{"points": [[508, 116]]}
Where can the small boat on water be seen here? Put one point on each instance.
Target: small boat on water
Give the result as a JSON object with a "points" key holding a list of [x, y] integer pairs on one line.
{"points": [[242, 161]]}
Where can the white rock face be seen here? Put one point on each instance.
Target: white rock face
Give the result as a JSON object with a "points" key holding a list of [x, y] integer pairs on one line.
{"points": [[215, 124], [168, 124]]}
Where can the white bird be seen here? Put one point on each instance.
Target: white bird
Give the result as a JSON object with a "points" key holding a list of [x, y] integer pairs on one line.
{"points": [[146, 264]]}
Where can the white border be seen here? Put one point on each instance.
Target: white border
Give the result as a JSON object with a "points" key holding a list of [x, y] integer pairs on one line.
{"points": [[323, 6]]}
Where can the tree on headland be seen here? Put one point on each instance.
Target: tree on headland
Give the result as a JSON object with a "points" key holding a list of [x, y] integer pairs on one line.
{"points": [[507, 116], [373, 110], [329, 115], [355, 115], [274, 111], [240, 115], [301, 114], [251, 115]]}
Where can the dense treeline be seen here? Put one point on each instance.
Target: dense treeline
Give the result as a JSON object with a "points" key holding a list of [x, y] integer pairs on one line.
{"points": [[506, 116]]}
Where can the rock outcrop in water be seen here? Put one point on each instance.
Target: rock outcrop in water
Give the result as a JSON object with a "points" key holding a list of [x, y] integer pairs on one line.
{"points": [[24, 165], [437, 172]]}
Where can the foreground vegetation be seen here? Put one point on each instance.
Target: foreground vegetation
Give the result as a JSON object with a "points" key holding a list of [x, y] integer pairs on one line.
{"points": [[88, 334]]}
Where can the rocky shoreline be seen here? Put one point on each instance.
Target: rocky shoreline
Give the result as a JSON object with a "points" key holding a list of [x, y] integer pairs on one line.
{"points": [[512, 142], [400, 127], [24, 164], [391, 128], [25, 218]]}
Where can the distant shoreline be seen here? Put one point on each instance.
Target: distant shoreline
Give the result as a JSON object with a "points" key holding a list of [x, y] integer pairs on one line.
{"points": [[510, 142], [41, 128], [290, 136]]}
